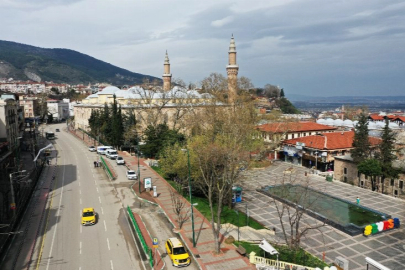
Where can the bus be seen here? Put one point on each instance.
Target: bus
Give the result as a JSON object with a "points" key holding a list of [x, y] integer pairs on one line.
{"points": [[50, 135]]}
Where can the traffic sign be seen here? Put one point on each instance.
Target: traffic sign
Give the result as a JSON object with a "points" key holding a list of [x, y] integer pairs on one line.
{"points": [[155, 242]]}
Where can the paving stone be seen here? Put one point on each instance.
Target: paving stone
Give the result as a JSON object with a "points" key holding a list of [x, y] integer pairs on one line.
{"points": [[390, 252], [387, 239], [375, 255], [348, 242], [373, 244], [347, 252]]}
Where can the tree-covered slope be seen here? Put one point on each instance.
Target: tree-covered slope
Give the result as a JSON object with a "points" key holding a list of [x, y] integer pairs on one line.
{"points": [[25, 62]]}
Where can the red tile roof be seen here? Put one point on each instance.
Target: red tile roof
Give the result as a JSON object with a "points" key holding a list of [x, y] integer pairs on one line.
{"points": [[330, 141], [401, 118], [376, 117], [294, 127]]}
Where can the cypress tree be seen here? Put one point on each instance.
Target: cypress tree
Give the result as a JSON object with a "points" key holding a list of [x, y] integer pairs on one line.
{"points": [[361, 143]]}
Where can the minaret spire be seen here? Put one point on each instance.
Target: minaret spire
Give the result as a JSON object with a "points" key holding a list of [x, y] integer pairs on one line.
{"points": [[232, 71], [167, 76]]}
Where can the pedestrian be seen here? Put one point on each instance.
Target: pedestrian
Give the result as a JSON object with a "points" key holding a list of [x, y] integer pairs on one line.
{"points": [[98, 163], [358, 200], [95, 164]]}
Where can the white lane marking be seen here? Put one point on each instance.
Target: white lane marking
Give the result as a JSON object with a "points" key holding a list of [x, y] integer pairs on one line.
{"points": [[112, 266], [79, 183], [80, 268], [57, 219], [80, 247], [105, 226], [102, 211], [99, 199], [80, 191], [95, 182], [108, 244], [97, 189]]}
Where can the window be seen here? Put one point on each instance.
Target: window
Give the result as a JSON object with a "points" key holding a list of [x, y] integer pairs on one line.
{"points": [[396, 193], [345, 170], [401, 184], [292, 136], [392, 182], [305, 134], [361, 183]]}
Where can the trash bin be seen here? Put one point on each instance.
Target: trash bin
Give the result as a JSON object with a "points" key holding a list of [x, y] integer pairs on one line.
{"points": [[329, 178]]}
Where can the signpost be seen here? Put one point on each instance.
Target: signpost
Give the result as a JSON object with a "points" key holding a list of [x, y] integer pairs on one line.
{"points": [[147, 182]]}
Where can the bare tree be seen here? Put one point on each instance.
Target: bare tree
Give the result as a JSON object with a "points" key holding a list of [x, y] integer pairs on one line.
{"points": [[292, 202], [179, 204]]}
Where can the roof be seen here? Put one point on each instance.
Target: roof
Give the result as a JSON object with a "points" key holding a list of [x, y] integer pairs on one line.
{"points": [[376, 117], [90, 209], [176, 242], [401, 118], [294, 127], [330, 141]]}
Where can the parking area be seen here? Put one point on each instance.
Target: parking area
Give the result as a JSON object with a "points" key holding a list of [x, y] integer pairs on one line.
{"points": [[387, 248]]}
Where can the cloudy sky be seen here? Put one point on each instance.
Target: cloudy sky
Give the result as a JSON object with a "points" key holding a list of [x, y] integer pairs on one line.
{"points": [[311, 47]]}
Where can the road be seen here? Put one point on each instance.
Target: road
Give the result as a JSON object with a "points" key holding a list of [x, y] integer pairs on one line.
{"points": [[66, 243]]}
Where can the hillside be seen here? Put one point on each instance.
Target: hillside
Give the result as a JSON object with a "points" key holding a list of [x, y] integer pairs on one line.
{"points": [[25, 62]]}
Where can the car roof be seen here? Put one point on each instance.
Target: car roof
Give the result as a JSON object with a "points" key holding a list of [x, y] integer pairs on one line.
{"points": [[90, 209], [119, 157], [131, 171], [175, 242]]}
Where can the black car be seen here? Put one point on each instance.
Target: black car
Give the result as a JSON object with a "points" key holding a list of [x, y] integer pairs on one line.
{"points": [[57, 130]]}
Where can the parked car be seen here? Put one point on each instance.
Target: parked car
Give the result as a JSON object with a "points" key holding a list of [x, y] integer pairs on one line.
{"points": [[57, 130], [102, 149], [131, 175], [120, 160], [177, 253], [92, 149], [111, 153]]}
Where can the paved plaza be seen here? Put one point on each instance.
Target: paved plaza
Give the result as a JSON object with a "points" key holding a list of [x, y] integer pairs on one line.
{"points": [[388, 248]]}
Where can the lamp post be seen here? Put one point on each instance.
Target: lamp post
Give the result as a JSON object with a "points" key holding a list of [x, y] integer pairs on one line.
{"points": [[139, 172], [237, 212], [12, 205], [191, 198]]}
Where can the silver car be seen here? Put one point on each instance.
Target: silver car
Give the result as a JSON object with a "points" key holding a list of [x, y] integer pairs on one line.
{"points": [[120, 160], [131, 175]]}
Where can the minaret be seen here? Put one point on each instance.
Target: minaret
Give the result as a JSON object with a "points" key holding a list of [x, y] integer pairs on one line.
{"points": [[167, 77], [232, 71]]}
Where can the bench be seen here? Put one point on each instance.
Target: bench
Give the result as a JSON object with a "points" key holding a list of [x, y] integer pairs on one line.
{"points": [[241, 250]]}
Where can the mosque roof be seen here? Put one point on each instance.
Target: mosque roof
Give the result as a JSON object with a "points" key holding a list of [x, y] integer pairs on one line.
{"points": [[294, 127]]}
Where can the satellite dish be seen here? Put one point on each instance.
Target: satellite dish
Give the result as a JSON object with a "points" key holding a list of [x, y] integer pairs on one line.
{"points": [[267, 247]]}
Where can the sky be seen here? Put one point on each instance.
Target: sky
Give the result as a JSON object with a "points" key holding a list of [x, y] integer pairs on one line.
{"points": [[311, 47]]}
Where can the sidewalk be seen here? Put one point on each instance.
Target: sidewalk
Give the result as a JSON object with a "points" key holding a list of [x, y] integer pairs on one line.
{"points": [[203, 253]]}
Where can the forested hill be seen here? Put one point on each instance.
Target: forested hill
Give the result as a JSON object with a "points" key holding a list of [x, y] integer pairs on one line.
{"points": [[25, 62]]}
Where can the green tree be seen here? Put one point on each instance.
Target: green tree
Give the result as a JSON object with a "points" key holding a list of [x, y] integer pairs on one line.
{"points": [[386, 155], [157, 138], [361, 144], [371, 168], [282, 92], [55, 90], [286, 106], [106, 126], [117, 127]]}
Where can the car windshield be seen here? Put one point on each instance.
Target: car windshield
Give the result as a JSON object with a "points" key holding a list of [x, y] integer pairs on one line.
{"points": [[131, 172], [119, 158], [88, 214], [179, 250], [113, 152]]}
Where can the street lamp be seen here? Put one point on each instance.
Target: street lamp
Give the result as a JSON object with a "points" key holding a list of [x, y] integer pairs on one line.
{"points": [[189, 188], [139, 172], [12, 205], [237, 212]]}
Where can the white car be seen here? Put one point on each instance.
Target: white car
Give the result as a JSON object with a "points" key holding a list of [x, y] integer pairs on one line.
{"points": [[111, 153], [92, 149], [120, 160], [131, 175]]}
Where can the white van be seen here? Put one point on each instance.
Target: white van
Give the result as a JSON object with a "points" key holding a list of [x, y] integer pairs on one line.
{"points": [[111, 153], [101, 149]]}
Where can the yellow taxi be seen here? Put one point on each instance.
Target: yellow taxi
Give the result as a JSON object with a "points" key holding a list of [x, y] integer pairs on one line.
{"points": [[88, 216], [177, 253]]}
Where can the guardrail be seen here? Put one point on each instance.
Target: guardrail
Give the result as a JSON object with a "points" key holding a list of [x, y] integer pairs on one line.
{"points": [[145, 247], [109, 173], [279, 264]]}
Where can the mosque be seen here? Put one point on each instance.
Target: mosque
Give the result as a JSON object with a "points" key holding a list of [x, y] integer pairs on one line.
{"points": [[168, 104]]}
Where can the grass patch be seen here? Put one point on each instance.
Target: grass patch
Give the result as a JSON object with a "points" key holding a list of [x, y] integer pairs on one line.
{"points": [[228, 215], [300, 257]]}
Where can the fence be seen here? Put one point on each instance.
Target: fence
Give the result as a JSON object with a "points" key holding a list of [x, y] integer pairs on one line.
{"points": [[145, 247], [273, 263], [109, 173]]}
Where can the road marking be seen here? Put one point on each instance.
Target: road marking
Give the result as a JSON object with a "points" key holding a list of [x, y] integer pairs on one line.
{"points": [[97, 189], [112, 266], [108, 244], [80, 248], [80, 191], [105, 226], [99, 199], [102, 211], [79, 183], [95, 182]]}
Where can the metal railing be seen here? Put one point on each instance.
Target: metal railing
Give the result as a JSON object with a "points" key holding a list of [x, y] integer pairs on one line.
{"points": [[273, 263]]}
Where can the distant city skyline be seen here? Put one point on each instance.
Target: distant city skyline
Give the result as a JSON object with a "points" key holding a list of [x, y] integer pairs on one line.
{"points": [[311, 48]]}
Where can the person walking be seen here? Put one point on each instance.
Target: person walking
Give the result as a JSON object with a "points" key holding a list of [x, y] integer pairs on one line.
{"points": [[358, 200], [95, 164]]}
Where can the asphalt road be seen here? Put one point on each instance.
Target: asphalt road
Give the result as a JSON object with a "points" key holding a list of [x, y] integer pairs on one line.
{"points": [[66, 243]]}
